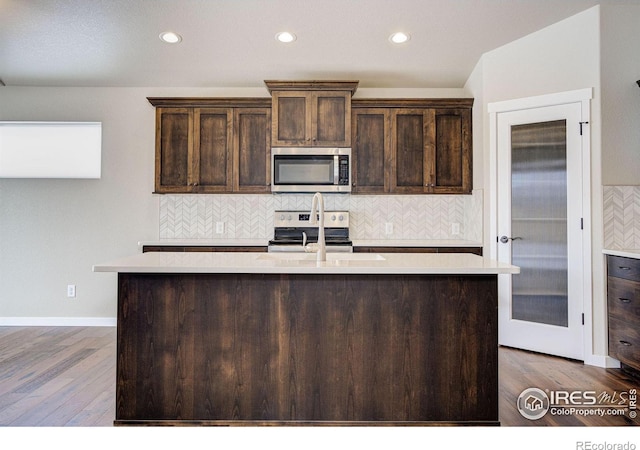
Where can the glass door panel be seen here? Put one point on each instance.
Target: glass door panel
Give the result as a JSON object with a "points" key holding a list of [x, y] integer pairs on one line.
{"points": [[539, 222]]}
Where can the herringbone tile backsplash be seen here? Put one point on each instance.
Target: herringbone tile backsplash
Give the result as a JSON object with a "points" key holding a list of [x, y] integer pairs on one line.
{"points": [[251, 216], [621, 217]]}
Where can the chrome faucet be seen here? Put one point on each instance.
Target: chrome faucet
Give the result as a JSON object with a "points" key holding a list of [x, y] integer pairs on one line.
{"points": [[318, 204]]}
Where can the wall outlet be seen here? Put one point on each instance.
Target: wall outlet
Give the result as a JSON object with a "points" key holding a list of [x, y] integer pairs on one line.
{"points": [[71, 290], [455, 228], [388, 228], [219, 227]]}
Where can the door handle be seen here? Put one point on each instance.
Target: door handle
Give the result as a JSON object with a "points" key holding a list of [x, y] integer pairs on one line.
{"points": [[505, 239]]}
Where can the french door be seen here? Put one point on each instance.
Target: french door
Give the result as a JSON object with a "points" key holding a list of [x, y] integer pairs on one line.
{"points": [[540, 228]]}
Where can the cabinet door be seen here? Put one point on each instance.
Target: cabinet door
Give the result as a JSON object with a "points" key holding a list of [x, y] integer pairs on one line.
{"points": [[311, 118], [174, 145], [331, 119], [213, 141], [252, 150], [291, 118], [371, 150], [410, 150], [450, 165]]}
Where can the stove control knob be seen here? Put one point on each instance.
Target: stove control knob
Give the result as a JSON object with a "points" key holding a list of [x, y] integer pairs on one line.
{"points": [[333, 217], [341, 218], [281, 216], [289, 217]]}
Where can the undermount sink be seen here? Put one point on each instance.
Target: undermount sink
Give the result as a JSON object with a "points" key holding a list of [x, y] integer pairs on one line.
{"points": [[285, 256]]}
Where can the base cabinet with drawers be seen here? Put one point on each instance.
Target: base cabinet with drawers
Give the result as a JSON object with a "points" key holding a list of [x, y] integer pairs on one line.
{"points": [[623, 304]]}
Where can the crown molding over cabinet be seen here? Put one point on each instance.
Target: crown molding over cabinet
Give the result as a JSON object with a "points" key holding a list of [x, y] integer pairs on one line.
{"points": [[312, 85], [210, 102]]}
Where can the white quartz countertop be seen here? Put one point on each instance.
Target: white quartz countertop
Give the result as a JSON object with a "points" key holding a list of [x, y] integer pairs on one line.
{"points": [[627, 252], [305, 263]]}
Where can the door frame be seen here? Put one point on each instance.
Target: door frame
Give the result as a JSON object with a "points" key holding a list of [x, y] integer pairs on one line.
{"points": [[583, 97]]}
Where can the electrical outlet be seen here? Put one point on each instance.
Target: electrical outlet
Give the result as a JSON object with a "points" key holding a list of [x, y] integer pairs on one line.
{"points": [[455, 228], [71, 290], [219, 227], [388, 228]]}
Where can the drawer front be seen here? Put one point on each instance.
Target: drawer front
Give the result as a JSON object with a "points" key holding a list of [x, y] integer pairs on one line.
{"points": [[623, 298], [627, 268], [624, 342]]}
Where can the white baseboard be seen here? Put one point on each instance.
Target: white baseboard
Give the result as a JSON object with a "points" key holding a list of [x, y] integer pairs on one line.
{"points": [[58, 321], [602, 361]]}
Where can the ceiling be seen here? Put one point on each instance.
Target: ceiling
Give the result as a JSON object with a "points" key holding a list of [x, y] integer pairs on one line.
{"points": [[231, 43]]}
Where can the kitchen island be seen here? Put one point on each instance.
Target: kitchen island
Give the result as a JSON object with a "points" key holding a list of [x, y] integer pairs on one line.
{"points": [[280, 339]]}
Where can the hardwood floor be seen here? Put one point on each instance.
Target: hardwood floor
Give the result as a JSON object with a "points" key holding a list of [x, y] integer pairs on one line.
{"points": [[520, 370], [65, 376], [57, 376]]}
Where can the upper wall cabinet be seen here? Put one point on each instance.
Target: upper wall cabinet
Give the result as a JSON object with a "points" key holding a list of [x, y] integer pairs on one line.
{"points": [[451, 169], [371, 151], [210, 146], [311, 113], [399, 146], [412, 146]]}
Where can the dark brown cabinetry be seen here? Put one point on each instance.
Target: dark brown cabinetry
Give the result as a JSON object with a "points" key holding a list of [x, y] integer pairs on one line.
{"points": [[208, 149], [377, 249], [411, 150], [212, 149], [252, 150], [304, 349], [311, 114], [623, 299], [424, 147], [451, 168], [371, 150], [380, 249], [400, 146], [174, 146], [203, 248]]}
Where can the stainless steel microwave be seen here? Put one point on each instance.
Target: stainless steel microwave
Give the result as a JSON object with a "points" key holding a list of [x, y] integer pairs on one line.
{"points": [[310, 169]]}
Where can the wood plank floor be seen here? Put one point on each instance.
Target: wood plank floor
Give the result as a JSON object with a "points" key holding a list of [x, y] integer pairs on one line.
{"points": [[65, 376]]}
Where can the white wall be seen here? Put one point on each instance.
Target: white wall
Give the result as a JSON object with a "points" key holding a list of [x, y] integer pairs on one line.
{"points": [[562, 57], [620, 94], [53, 231]]}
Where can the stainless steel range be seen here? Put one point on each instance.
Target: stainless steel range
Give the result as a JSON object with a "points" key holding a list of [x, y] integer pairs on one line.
{"points": [[292, 231]]}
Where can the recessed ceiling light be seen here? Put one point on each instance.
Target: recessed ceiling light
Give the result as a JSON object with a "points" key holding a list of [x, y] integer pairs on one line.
{"points": [[286, 37], [399, 37], [170, 37]]}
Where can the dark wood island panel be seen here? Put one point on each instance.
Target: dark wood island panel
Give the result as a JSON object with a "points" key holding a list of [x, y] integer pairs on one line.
{"points": [[291, 349]]}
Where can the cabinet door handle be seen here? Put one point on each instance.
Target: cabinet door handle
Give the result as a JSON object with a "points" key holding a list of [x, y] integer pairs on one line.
{"points": [[626, 343], [624, 300], [624, 268]]}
